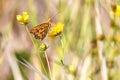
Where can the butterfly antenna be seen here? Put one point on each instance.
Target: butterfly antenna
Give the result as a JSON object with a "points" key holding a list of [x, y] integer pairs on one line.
{"points": [[55, 15]]}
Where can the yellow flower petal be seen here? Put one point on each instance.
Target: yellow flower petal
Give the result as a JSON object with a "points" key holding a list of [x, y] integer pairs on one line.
{"points": [[117, 38], [117, 11], [57, 29], [19, 18], [71, 68], [23, 19], [118, 8]]}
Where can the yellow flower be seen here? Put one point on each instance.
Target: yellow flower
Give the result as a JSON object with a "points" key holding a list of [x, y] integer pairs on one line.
{"points": [[101, 37], [43, 47], [115, 51], [23, 19], [71, 68], [56, 30], [116, 10], [19, 18], [117, 38], [111, 38]]}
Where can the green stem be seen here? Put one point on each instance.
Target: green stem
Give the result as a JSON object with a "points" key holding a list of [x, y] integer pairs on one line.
{"points": [[42, 64], [37, 50], [62, 46], [29, 35], [50, 73]]}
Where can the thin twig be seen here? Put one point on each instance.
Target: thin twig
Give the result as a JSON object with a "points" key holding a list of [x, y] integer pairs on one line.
{"points": [[29, 35], [31, 67]]}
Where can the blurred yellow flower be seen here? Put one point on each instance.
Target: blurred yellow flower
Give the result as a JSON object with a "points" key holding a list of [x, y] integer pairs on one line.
{"points": [[115, 51], [111, 38], [101, 37], [56, 30], [23, 19], [116, 10], [43, 47], [71, 68], [117, 38]]}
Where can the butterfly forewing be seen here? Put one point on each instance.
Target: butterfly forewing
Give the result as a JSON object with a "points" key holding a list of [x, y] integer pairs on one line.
{"points": [[40, 31]]}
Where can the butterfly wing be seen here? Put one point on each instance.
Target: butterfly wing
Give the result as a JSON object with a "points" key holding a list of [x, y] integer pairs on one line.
{"points": [[40, 31]]}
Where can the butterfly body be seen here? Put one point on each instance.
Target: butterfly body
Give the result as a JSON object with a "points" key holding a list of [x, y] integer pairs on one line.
{"points": [[40, 31]]}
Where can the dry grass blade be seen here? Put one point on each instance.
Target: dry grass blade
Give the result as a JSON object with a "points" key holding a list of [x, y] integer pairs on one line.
{"points": [[31, 67]]}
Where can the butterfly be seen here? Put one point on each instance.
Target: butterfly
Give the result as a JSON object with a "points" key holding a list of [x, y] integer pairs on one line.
{"points": [[40, 31]]}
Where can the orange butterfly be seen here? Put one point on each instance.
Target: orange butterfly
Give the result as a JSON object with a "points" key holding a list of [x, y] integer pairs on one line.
{"points": [[40, 31]]}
